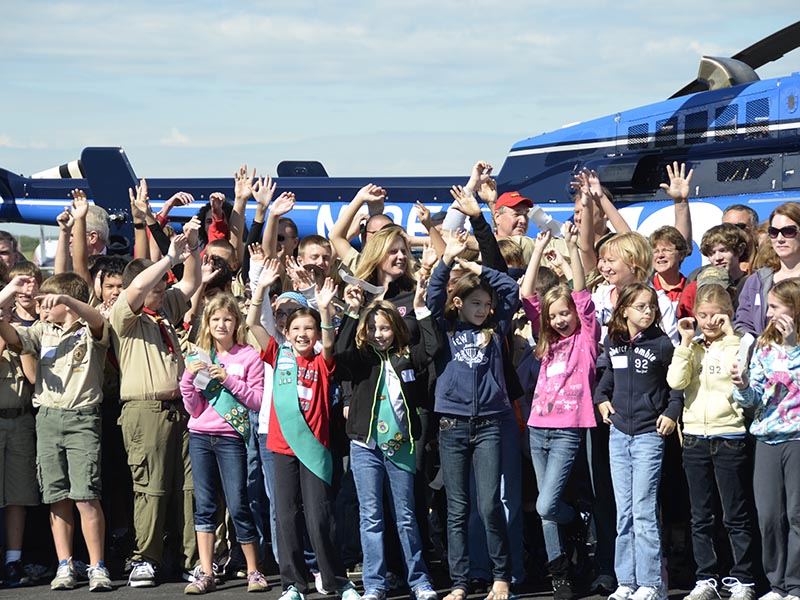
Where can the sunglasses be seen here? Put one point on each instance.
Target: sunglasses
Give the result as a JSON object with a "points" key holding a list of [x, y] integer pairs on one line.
{"points": [[789, 232], [742, 226]]}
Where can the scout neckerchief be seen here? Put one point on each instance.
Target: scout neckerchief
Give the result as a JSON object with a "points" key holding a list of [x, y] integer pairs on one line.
{"points": [[161, 327], [305, 445], [225, 404], [389, 429]]}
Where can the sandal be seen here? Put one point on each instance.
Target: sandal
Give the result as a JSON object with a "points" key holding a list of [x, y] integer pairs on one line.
{"points": [[456, 594], [500, 595]]}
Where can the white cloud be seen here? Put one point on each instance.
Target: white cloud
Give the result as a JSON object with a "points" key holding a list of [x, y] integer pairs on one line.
{"points": [[175, 138]]}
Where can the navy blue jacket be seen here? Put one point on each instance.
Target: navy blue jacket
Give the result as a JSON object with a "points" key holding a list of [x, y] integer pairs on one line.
{"points": [[470, 380], [635, 380]]}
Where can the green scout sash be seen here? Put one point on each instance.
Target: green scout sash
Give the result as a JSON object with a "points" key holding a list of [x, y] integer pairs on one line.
{"points": [[225, 404], [391, 437], [305, 445]]}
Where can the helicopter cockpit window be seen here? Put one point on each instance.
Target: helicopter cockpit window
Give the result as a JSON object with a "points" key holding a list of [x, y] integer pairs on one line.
{"points": [[725, 123], [757, 113], [667, 132], [637, 136], [695, 127]]}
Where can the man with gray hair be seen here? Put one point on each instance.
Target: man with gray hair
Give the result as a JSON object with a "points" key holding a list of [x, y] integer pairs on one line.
{"points": [[96, 230]]}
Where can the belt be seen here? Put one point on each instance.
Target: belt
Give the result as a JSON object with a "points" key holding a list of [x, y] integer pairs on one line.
{"points": [[13, 413]]}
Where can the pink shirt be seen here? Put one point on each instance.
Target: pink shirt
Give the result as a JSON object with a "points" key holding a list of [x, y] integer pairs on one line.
{"points": [[563, 396], [245, 380]]}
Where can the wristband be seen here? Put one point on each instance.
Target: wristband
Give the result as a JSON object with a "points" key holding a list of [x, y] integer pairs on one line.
{"points": [[171, 260], [195, 247], [328, 326], [139, 226]]}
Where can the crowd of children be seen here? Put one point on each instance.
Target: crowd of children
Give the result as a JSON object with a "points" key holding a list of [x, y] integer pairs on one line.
{"points": [[227, 395]]}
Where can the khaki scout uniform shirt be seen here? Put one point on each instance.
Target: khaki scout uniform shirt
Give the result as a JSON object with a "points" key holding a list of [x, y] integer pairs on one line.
{"points": [[15, 389], [71, 361], [147, 370]]}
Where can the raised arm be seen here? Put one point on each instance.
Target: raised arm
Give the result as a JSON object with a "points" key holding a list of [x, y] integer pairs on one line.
{"points": [[466, 203], [528, 286], [619, 224], [578, 275], [424, 217], [190, 280], [282, 205], [65, 222], [140, 206], [243, 191], [177, 199], [92, 316], [587, 234], [678, 190], [370, 193], [324, 297], [145, 281], [80, 251], [21, 284], [269, 275]]}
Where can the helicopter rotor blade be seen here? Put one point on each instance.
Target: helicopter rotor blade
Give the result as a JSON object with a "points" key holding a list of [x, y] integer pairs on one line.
{"points": [[762, 52]]}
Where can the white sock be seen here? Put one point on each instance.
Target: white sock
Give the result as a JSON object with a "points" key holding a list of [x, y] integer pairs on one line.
{"points": [[13, 555]]}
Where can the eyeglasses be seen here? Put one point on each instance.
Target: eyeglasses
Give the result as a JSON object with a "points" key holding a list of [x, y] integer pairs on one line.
{"points": [[789, 232], [664, 251], [643, 308]]}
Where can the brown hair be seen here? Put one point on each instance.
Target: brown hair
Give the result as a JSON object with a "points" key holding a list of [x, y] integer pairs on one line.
{"points": [[670, 235], [726, 235], [618, 325], [547, 334], [26, 267], [787, 292], [512, 253], [388, 311], [68, 284]]}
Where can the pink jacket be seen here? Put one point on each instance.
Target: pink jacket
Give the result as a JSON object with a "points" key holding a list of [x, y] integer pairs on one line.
{"points": [[245, 380], [563, 395]]}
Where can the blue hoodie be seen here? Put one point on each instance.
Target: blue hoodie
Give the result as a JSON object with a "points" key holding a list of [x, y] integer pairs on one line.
{"points": [[470, 380]]}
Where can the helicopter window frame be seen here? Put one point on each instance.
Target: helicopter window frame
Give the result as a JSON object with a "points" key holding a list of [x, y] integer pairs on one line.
{"points": [[695, 127], [666, 132], [726, 119]]}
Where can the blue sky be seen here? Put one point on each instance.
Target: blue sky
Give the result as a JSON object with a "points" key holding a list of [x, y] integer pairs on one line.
{"points": [[377, 87]]}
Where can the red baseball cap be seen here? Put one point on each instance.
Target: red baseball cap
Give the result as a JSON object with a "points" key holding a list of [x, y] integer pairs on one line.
{"points": [[511, 199]]}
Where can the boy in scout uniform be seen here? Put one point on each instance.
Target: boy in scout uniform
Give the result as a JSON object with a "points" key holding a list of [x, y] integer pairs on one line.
{"points": [[71, 341], [153, 419], [18, 487]]}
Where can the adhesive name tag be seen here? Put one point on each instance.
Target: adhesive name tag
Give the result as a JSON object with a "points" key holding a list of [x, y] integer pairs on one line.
{"points": [[557, 368], [408, 375], [619, 362], [237, 370]]}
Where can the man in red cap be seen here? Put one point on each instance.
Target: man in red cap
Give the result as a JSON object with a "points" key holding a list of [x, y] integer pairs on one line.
{"points": [[511, 214]]}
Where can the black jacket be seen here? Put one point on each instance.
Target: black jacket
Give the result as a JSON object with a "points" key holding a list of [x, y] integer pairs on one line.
{"points": [[362, 368], [635, 381]]}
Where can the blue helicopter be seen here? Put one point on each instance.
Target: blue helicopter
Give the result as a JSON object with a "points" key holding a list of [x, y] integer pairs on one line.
{"points": [[741, 135]]}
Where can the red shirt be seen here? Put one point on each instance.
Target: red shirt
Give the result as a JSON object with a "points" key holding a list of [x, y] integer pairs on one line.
{"points": [[313, 391], [673, 294]]}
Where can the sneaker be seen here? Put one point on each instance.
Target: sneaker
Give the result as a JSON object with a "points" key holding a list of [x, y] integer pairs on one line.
{"points": [[99, 578], [143, 574], [65, 576], [191, 576], [650, 593], [791, 597], [15, 574], [704, 589], [739, 590], [772, 595], [318, 584], [424, 592], [256, 582], [623, 592], [201, 585], [374, 594], [348, 592], [291, 593]]}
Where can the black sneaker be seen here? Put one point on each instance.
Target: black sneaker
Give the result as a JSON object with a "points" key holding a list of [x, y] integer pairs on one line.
{"points": [[15, 575]]}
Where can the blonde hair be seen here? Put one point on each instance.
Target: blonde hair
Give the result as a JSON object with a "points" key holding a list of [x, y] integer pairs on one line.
{"points": [[787, 292], [714, 293], [548, 335], [222, 301], [375, 251], [634, 250], [388, 311]]}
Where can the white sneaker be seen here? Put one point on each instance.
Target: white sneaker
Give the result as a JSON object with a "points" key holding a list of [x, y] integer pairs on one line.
{"points": [[291, 593], [704, 589], [791, 597], [739, 590], [142, 575], [623, 592], [772, 595], [650, 593]]}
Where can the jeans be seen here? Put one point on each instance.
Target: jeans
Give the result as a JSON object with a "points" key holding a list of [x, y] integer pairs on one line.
{"points": [[636, 472], [722, 464], [553, 452], [228, 456], [371, 471], [511, 496], [465, 443], [256, 492]]}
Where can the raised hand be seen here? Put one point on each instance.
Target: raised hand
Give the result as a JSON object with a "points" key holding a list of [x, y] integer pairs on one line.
{"points": [[456, 244], [429, 257], [257, 255], [80, 205], [263, 190], [270, 273], [178, 249], [354, 298], [65, 220], [488, 191], [325, 294], [243, 184], [570, 233], [371, 193], [208, 270], [217, 199], [686, 329], [283, 204], [469, 265], [723, 321], [421, 293], [465, 201], [784, 324], [21, 284], [301, 279], [192, 231], [481, 173], [593, 181], [679, 182], [140, 202], [581, 184], [48, 302], [542, 239], [177, 199], [423, 215]]}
